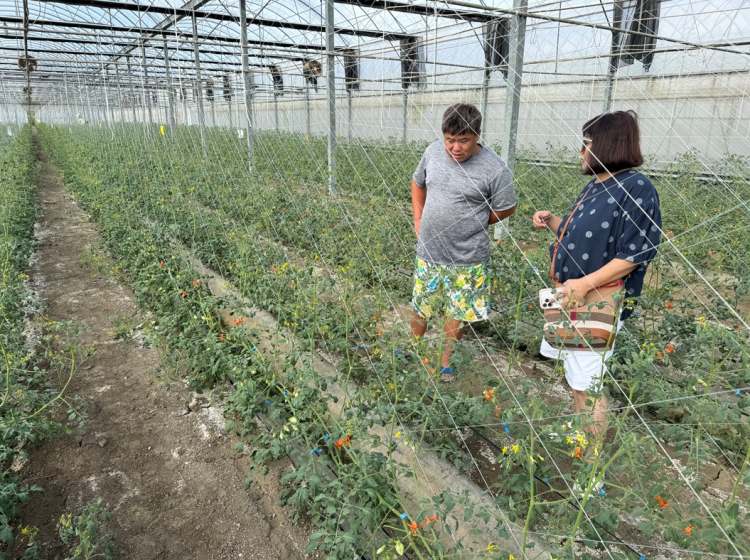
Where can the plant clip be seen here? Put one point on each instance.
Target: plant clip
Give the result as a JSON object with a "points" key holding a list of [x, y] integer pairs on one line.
{"points": [[506, 428], [404, 516], [326, 437], [268, 402], [738, 392], [642, 557], [602, 492], [317, 451]]}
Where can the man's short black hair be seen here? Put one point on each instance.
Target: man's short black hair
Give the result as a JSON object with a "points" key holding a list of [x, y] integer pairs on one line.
{"points": [[615, 142], [462, 118]]}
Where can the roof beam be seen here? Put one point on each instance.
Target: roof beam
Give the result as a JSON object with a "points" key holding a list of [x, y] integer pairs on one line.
{"points": [[118, 44], [217, 16], [163, 32], [422, 10]]}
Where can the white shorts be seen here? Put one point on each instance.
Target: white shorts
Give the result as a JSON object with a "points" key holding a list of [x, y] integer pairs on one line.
{"points": [[584, 369]]}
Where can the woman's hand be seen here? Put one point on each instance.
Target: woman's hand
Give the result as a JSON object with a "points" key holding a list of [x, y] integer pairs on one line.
{"points": [[573, 292], [544, 219]]}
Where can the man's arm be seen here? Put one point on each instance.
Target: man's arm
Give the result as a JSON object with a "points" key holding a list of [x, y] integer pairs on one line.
{"points": [[418, 198], [497, 215]]}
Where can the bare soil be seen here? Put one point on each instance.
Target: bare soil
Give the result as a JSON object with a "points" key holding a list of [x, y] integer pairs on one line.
{"points": [[170, 476]]}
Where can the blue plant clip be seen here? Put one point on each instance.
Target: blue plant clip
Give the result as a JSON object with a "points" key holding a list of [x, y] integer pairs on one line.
{"points": [[404, 516], [602, 492], [268, 402], [642, 557], [317, 452], [738, 392], [506, 428], [326, 437]]}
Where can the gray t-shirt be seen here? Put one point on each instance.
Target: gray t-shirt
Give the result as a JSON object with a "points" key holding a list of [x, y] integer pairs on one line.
{"points": [[460, 196]]}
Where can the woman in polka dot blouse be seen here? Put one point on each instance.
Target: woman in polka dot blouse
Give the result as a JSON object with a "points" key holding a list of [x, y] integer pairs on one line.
{"points": [[613, 234]]}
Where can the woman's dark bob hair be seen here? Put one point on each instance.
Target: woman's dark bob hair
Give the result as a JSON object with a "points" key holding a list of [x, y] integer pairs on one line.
{"points": [[615, 142]]}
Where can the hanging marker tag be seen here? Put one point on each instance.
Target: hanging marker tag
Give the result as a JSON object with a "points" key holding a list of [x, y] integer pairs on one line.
{"points": [[10, 131], [240, 133]]}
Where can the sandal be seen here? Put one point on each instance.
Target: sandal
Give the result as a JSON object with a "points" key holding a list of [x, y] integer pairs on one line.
{"points": [[447, 375]]}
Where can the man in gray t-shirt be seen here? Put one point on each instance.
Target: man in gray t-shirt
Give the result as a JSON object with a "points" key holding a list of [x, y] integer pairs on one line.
{"points": [[459, 189]]}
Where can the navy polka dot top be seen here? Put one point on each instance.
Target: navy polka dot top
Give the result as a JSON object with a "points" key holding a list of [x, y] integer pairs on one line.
{"points": [[617, 218]]}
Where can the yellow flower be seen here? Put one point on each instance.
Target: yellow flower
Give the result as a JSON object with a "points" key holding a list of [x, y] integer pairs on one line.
{"points": [[479, 282], [581, 439], [480, 303], [492, 547], [397, 435], [504, 450], [460, 281], [470, 315], [515, 448]]}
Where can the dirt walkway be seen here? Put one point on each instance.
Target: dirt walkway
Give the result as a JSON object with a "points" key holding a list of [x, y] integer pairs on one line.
{"points": [[171, 478]]}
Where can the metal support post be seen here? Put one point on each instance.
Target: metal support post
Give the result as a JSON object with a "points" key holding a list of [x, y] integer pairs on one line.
{"points": [[485, 99], [405, 117], [614, 55], [276, 111], [146, 94], [513, 88], [199, 86], [170, 90], [248, 83], [331, 95], [132, 92], [185, 112], [67, 97], [120, 116], [107, 114], [231, 116], [349, 115], [308, 124]]}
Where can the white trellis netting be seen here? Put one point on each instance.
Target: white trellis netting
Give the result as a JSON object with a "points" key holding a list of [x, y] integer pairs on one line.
{"points": [[104, 66]]}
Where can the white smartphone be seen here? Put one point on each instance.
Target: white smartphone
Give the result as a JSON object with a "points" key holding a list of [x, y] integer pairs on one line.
{"points": [[548, 298]]}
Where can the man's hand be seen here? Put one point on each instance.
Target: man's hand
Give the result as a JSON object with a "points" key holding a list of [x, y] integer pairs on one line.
{"points": [[573, 292]]}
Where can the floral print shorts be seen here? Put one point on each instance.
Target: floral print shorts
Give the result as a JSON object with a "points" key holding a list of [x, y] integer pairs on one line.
{"points": [[462, 290]]}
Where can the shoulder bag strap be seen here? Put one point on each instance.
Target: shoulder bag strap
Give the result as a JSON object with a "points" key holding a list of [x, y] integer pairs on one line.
{"points": [[562, 234]]}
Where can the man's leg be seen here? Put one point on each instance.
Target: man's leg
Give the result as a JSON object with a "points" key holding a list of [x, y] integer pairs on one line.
{"points": [[453, 332], [418, 325]]}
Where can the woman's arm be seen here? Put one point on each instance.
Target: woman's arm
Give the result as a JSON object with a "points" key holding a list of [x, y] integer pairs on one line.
{"points": [[544, 219], [573, 291]]}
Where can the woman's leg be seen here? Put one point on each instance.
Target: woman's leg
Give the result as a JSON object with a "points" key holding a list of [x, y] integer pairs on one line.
{"points": [[596, 405]]}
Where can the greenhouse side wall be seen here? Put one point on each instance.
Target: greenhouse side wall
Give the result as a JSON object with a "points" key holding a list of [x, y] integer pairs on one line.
{"points": [[708, 114]]}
